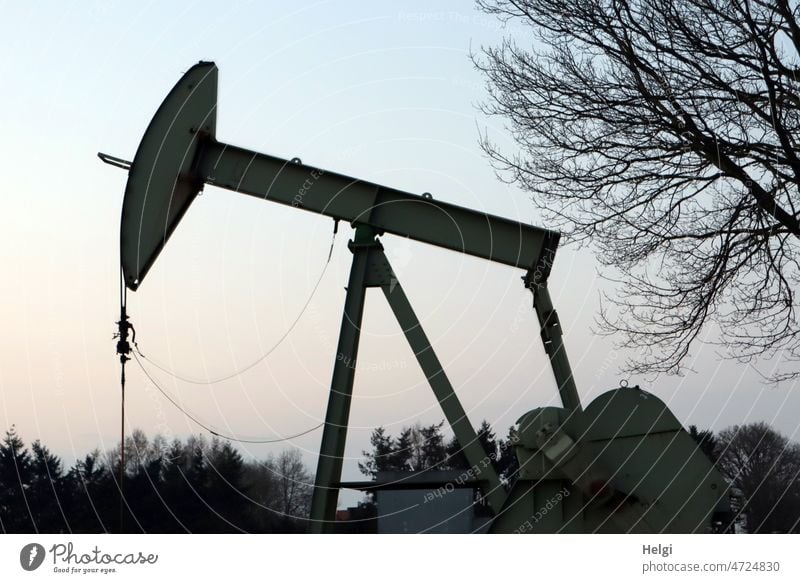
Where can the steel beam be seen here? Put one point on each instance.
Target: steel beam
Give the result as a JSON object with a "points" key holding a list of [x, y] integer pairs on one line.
{"points": [[553, 341], [481, 463], [389, 210], [334, 435]]}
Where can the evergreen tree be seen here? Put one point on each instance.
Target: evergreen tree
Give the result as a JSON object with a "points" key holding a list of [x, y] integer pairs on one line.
{"points": [[488, 440], [177, 493], [226, 492], [49, 492], [93, 496], [403, 455], [433, 454], [16, 514], [507, 464], [381, 458], [456, 460], [259, 479], [705, 441]]}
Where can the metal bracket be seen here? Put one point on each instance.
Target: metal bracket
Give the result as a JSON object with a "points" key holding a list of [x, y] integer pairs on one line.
{"points": [[114, 161]]}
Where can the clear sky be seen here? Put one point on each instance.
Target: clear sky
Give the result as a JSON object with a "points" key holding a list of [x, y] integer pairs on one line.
{"points": [[383, 91]]}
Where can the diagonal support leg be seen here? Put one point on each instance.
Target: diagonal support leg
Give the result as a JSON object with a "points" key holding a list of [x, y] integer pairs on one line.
{"points": [[479, 462]]}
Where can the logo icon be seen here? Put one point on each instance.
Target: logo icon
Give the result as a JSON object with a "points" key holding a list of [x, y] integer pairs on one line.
{"points": [[31, 556]]}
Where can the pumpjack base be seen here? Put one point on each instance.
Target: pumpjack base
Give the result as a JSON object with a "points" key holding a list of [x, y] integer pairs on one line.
{"points": [[623, 465]]}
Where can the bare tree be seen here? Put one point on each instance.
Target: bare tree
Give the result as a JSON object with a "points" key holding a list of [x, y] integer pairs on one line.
{"points": [[664, 132], [763, 466], [292, 484]]}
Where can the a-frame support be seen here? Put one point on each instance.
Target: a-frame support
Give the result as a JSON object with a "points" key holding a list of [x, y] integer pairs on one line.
{"points": [[371, 268]]}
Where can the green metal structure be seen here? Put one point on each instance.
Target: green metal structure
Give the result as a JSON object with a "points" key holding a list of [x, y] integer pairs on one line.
{"points": [[622, 464]]}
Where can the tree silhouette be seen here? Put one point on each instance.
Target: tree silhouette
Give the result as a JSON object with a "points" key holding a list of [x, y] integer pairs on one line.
{"points": [[507, 464], [706, 441], [432, 451], [225, 490], [292, 483], [764, 468], [421, 447], [404, 451], [49, 491], [16, 514], [94, 495], [180, 486], [488, 442], [417, 448], [664, 132], [380, 458]]}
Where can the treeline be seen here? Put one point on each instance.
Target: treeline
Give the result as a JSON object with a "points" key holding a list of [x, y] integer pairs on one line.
{"points": [[761, 465], [421, 447], [205, 486], [196, 485]]}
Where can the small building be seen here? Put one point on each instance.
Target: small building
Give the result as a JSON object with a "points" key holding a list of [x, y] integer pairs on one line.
{"points": [[428, 501]]}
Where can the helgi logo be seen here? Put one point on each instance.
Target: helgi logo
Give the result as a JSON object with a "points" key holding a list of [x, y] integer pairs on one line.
{"points": [[31, 556]]}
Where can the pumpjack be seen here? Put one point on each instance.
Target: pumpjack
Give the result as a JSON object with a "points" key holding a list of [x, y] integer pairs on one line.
{"points": [[623, 463]]}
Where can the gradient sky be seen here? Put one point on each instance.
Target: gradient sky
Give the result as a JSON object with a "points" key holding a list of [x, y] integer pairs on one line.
{"points": [[383, 91]]}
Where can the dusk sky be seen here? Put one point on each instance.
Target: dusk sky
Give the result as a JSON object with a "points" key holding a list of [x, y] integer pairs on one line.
{"points": [[382, 91]]}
